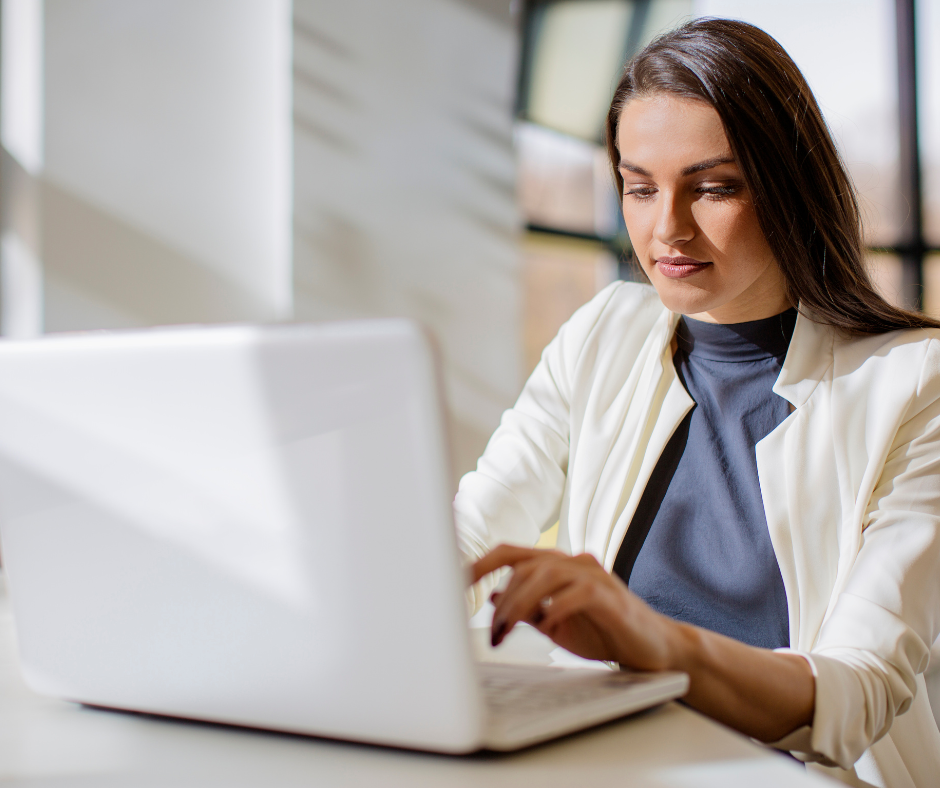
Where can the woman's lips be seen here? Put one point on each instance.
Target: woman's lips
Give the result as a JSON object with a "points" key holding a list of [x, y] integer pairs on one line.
{"points": [[679, 267]]}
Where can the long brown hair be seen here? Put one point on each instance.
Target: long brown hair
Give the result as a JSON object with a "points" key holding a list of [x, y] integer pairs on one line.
{"points": [[803, 197]]}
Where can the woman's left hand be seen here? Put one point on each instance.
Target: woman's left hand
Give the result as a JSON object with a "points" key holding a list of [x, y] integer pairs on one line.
{"points": [[575, 602]]}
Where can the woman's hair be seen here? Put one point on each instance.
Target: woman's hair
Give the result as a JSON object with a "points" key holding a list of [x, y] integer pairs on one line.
{"points": [[804, 200]]}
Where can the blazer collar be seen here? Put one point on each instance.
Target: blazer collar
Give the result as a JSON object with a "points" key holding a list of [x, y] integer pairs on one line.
{"points": [[806, 362], [808, 359]]}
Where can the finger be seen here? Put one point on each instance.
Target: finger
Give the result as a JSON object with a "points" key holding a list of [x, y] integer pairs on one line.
{"points": [[520, 571], [532, 582], [574, 621], [503, 555], [588, 560], [500, 627], [579, 597]]}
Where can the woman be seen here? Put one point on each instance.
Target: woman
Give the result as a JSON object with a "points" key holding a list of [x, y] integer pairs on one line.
{"points": [[745, 457]]}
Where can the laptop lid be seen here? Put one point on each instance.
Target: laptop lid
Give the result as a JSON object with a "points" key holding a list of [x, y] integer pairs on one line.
{"points": [[244, 524]]}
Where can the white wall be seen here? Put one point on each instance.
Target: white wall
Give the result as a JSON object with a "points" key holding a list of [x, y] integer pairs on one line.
{"points": [[166, 188], [404, 196]]}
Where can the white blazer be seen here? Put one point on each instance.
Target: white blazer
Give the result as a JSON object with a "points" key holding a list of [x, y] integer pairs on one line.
{"points": [[851, 489]]}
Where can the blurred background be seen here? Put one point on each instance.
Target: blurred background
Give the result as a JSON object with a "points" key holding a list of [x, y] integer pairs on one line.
{"points": [[180, 161]]}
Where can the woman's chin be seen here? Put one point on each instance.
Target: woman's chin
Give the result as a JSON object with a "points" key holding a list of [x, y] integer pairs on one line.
{"points": [[684, 303]]}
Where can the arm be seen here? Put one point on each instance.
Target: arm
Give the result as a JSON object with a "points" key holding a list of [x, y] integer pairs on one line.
{"points": [[517, 488], [761, 693], [877, 634]]}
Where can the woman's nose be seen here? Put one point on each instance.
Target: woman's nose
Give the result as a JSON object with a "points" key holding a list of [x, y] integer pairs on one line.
{"points": [[674, 224]]}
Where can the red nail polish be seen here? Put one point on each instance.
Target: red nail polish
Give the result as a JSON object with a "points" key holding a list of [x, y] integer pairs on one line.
{"points": [[499, 632]]}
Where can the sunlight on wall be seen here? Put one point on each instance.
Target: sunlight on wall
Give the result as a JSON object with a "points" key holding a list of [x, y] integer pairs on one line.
{"points": [[404, 187]]}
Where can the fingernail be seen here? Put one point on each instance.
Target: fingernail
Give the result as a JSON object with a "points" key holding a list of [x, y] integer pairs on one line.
{"points": [[499, 632]]}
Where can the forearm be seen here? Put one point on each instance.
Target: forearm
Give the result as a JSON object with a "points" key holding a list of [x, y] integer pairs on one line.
{"points": [[759, 692]]}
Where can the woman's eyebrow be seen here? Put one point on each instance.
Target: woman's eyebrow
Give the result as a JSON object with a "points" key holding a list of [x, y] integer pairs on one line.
{"points": [[707, 164], [625, 165], [690, 170]]}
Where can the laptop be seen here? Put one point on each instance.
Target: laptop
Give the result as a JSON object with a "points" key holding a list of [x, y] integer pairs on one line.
{"points": [[253, 526]]}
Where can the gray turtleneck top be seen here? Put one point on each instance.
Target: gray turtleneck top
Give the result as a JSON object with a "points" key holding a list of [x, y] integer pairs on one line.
{"points": [[698, 548]]}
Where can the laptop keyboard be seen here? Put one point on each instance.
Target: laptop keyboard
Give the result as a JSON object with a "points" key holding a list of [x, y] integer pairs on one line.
{"points": [[527, 690]]}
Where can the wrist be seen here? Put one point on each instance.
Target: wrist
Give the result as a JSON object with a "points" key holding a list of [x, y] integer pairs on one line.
{"points": [[683, 647], [666, 644]]}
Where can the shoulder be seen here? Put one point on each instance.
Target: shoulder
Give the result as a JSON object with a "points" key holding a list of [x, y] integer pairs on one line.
{"points": [[910, 350], [901, 366]]}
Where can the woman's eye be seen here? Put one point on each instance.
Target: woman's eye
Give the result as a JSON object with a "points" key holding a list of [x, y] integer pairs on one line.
{"points": [[640, 193], [718, 192]]}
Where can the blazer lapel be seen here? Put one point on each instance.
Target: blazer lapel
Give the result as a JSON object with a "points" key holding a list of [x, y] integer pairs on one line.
{"points": [[797, 470], [610, 435], [670, 403], [807, 362], [648, 419]]}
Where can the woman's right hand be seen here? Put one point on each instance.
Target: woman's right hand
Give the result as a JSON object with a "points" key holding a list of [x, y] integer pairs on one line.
{"points": [[575, 602]]}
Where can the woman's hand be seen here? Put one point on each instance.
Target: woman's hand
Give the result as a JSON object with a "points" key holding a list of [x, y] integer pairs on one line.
{"points": [[574, 601]]}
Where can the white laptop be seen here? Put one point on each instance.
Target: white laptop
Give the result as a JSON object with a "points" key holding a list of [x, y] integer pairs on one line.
{"points": [[253, 526]]}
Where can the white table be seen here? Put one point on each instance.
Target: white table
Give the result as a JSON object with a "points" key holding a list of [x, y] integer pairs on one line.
{"points": [[45, 742]]}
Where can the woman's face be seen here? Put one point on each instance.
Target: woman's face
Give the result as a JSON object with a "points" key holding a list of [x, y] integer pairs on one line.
{"points": [[689, 214]]}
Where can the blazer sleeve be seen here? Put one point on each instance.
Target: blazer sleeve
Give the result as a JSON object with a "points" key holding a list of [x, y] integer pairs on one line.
{"points": [[516, 491], [878, 635]]}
